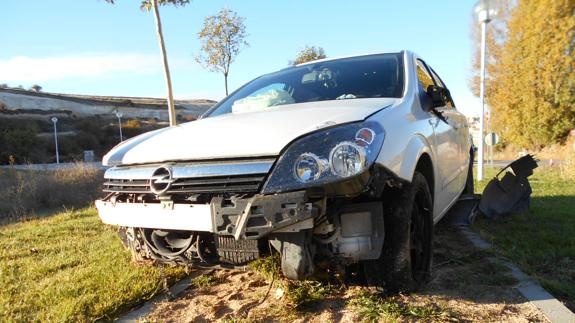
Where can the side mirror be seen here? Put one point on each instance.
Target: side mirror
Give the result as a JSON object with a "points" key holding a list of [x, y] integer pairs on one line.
{"points": [[438, 95]]}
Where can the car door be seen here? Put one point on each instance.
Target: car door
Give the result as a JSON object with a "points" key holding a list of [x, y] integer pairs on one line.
{"points": [[459, 122], [445, 143]]}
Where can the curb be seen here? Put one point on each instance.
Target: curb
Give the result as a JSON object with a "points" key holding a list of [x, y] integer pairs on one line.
{"points": [[141, 312], [551, 308]]}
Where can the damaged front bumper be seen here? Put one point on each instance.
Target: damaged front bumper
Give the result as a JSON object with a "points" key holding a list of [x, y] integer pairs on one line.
{"points": [[342, 222], [242, 218]]}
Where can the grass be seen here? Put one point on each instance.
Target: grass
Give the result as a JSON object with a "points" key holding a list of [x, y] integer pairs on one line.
{"points": [[26, 192], [303, 294], [542, 240], [70, 267], [299, 294], [269, 267], [204, 281], [371, 306]]}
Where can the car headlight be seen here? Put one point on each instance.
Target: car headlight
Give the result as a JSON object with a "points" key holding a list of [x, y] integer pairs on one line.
{"points": [[326, 156]]}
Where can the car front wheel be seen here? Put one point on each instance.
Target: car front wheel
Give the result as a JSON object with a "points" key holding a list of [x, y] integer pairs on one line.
{"points": [[405, 261]]}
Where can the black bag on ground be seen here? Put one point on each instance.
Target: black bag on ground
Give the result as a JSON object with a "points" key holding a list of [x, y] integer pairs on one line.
{"points": [[510, 194]]}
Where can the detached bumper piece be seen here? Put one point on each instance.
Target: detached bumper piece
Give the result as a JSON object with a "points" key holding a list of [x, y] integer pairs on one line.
{"points": [[510, 194], [255, 217]]}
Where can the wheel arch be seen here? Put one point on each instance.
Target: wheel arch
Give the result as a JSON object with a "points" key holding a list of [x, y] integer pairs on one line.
{"points": [[425, 167], [416, 149]]}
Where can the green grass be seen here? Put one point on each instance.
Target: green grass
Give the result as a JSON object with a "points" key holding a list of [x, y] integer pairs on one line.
{"points": [[205, 281], [70, 267], [372, 307], [541, 241], [269, 266], [301, 295]]}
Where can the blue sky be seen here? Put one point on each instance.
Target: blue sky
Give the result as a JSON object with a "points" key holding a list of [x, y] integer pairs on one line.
{"points": [[91, 47]]}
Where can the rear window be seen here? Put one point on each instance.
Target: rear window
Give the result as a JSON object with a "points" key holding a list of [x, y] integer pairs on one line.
{"points": [[372, 76]]}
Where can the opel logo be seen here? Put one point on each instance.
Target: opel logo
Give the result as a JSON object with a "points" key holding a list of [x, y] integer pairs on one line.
{"points": [[161, 180]]}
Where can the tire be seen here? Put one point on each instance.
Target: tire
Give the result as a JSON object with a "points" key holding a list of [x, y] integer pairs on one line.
{"points": [[469, 185], [405, 261]]}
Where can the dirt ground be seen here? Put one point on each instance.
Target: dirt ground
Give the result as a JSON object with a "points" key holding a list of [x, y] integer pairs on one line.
{"points": [[465, 286]]}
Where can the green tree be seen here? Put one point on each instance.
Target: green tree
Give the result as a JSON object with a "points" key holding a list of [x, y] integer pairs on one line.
{"points": [[308, 54], [222, 37], [153, 5]]}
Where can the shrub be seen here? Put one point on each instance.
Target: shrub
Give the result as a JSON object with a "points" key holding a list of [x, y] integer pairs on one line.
{"points": [[132, 124]]}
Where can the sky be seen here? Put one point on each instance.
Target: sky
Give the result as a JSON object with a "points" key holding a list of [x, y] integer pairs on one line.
{"points": [[92, 47]]}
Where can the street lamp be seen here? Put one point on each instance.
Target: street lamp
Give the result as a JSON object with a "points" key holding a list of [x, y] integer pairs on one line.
{"points": [[55, 121], [484, 11], [119, 115]]}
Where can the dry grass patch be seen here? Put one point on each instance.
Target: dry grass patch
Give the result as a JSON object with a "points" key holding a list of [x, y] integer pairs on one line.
{"points": [[25, 192]]}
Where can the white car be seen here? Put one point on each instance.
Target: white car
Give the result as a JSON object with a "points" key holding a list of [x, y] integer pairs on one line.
{"points": [[330, 163]]}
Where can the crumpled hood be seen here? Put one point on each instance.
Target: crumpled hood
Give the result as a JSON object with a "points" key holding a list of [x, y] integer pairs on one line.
{"points": [[262, 133]]}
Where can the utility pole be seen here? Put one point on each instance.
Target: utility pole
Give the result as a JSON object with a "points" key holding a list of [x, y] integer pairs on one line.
{"points": [[119, 115], [484, 9], [55, 121]]}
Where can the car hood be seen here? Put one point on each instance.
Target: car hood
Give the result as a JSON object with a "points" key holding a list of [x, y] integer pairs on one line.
{"points": [[252, 134]]}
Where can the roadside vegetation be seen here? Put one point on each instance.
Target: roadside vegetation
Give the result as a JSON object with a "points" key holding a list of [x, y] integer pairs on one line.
{"points": [[541, 241], [31, 139], [28, 193], [71, 267]]}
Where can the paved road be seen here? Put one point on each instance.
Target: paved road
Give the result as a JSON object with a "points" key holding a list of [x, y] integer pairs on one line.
{"points": [[503, 163]]}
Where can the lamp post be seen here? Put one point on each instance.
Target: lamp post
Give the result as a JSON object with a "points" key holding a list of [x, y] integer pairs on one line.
{"points": [[55, 121], [484, 11], [119, 115]]}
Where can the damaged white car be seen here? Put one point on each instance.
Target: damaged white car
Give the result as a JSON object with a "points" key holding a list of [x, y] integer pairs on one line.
{"points": [[334, 164]]}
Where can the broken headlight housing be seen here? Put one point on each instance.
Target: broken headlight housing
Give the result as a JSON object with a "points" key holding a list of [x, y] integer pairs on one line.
{"points": [[326, 156]]}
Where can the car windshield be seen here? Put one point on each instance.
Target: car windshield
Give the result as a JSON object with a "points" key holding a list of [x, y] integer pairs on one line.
{"points": [[371, 76]]}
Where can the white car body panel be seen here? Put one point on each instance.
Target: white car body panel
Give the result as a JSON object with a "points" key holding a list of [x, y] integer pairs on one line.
{"points": [[261, 133]]}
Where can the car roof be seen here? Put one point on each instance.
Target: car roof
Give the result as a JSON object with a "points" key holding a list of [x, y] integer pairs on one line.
{"points": [[349, 56]]}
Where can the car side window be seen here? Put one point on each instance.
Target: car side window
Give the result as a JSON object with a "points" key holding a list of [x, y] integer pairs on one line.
{"points": [[423, 76], [439, 81]]}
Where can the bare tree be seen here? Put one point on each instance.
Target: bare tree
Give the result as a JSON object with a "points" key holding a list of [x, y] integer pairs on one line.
{"points": [[153, 5], [223, 37], [308, 54]]}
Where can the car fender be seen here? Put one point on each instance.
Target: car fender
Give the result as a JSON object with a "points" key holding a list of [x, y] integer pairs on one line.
{"points": [[416, 147]]}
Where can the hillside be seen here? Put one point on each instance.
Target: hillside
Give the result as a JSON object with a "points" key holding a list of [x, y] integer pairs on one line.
{"points": [[84, 123], [14, 101]]}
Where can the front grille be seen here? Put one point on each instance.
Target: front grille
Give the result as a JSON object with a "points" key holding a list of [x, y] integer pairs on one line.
{"points": [[215, 184]]}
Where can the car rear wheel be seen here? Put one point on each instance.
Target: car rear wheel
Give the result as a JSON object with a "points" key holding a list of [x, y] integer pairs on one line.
{"points": [[405, 261]]}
